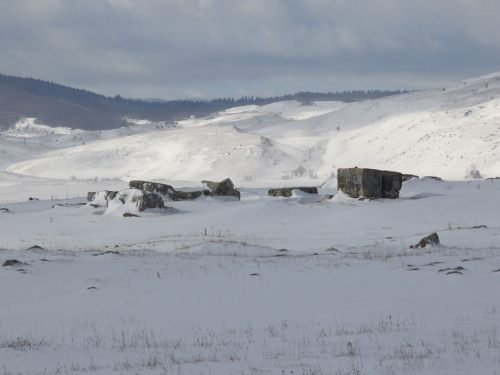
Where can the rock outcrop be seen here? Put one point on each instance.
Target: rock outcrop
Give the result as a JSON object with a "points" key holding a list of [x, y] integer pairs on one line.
{"points": [[369, 183], [134, 200], [167, 191], [101, 198], [189, 195], [287, 192], [223, 188], [153, 187]]}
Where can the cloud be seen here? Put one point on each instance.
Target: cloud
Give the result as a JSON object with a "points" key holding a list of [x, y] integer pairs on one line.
{"points": [[170, 48]]}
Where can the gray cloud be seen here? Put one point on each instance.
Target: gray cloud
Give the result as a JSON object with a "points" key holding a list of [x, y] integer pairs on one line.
{"points": [[177, 48]]}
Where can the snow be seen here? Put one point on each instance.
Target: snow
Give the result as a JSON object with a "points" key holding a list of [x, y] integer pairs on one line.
{"points": [[210, 288], [264, 285], [432, 132]]}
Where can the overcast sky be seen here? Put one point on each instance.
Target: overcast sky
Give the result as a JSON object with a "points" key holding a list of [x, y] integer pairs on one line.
{"points": [[218, 48]]}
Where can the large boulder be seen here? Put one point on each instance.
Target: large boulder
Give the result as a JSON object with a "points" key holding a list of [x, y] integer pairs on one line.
{"points": [[391, 184], [169, 193], [153, 187], [369, 183], [287, 192], [223, 188], [133, 201]]}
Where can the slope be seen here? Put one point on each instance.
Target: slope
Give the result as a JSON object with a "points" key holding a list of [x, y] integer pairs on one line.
{"points": [[437, 132], [191, 154]]}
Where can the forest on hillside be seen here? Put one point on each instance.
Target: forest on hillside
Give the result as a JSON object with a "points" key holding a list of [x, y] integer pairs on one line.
{"points": [[58, 105]]}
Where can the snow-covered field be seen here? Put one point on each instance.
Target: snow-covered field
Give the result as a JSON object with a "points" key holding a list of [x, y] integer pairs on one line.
{"points": [[301, 285], [263, 285]]}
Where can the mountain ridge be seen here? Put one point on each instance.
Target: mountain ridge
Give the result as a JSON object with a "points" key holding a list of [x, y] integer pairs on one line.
{"points": [[58, 105]]}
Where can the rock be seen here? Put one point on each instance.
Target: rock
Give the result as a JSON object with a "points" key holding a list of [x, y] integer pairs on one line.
{"points": [[128, 214], [4, 210], [68, 205], [36, 247], [135, 200], [33, 199], [408, 177], [101, 198], [106, 253], [189, 195], [150, 200], [391, 184], [287, 192], [432, 239], [90, 195], [369, 183], [223, 188], [153, 187], [12, 262], [434, 178]]}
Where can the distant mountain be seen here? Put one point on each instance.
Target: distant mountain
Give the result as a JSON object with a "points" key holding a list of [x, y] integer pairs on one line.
{"points": [[57, 105]]}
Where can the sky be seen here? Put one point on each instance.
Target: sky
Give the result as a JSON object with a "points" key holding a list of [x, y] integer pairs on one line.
{"points": [[175, 49]]}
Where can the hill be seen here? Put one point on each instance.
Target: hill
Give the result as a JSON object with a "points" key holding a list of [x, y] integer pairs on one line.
{"points": [[57, 105], [438, 132]]}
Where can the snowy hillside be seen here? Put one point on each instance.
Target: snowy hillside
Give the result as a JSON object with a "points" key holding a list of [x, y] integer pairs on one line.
{"points": [[438, 132]]}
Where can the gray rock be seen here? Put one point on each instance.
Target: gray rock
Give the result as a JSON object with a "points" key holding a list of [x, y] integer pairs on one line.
{"points": [[408, 177], [149, 200], [68, 205], [432, 239], [101, 198], [153, 187], [111, 195], [369, 183], [4, 210], [128, 214], [12, 262], [434, 178], [287, 192], [189, 195], [391, 184], [223, 188], [36, 247]]}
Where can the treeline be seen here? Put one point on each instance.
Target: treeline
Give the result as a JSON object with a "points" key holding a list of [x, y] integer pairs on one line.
{"points": [[60, 105]]}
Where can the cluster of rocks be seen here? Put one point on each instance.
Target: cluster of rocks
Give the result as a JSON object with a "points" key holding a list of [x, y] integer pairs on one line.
{"points": [[146, 194], [358, 183]]}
